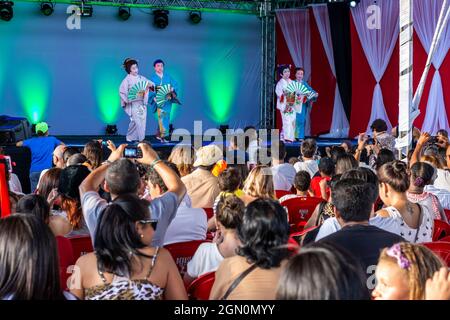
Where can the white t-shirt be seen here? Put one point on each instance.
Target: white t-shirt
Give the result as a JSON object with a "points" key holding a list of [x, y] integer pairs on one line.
{"points": [[310, 166], [283, 176], [206, 259], [443, 180], [189, 224]]}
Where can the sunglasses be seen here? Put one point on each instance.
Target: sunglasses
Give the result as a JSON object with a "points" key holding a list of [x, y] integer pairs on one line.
{"points": [[153, 222]]}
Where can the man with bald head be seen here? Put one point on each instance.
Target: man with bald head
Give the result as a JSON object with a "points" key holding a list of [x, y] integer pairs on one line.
{"points": [[58, 161]]}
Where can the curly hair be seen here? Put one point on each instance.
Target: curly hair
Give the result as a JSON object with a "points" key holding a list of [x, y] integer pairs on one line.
{"points": [[264, 233]]}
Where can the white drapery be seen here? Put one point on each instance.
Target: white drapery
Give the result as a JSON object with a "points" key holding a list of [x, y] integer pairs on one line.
{"points": [[426, 15], [378, 45], [296, 31], [339, 124]]}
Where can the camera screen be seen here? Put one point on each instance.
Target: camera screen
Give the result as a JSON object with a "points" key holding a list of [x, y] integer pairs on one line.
{"points": [[130, 152]]}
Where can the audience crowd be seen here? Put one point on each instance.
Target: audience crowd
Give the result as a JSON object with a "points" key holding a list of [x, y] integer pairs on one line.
{"points": [[367, 221]]}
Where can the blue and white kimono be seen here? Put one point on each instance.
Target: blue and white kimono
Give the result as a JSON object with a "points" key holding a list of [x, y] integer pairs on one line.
{"points": [[302, 114], [164, 110]]}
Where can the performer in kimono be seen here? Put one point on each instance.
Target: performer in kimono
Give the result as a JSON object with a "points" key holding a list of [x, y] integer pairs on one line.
{"points": [[160, 78], [136, 108], [285, 105], [304, 109]]}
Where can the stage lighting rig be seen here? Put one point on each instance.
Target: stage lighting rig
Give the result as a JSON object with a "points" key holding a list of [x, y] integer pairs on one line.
{"points": [[85, 9], [124, 13], [6, 10], [195, 17], [47, 8], [161, 18]]}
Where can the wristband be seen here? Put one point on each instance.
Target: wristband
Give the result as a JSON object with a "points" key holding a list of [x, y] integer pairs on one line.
{"points": [[155, 162], [106, 162]]}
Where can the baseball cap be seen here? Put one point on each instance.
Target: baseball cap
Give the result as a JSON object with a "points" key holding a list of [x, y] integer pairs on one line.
{"points": [[42, 126], [207, 156]]}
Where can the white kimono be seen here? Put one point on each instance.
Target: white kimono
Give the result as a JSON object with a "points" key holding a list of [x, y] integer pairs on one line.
{"points": [[288, 132]]}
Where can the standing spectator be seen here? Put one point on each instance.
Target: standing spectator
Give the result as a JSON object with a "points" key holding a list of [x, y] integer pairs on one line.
{"points": [[201, 184], [125, 265], [120, 176], [41, 152], [283, 173], [308, 163], [253, 273], [322, 272], [403, 270]]}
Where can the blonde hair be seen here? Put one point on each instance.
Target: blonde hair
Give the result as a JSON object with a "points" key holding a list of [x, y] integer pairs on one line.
{"points": [[183, 157], [259, 183], [423, 264]]}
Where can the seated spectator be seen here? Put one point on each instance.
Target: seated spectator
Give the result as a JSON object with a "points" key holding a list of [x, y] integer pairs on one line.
{"points": [[35, 205], [442, 194], [68, 152], [183, 156], [354, 200], [189, 223], [258, 185], [383, 157], [58, 161], [209, 255], [423, 174], [125, 266], [230, 183], [78, 159], [93, 151], [29, 260], [326, 170], [120, 176], [346, 162], [403, 270], [322, 272], [302, 183], [237, 149], [201, 185], [70, 203], [308, 150], [413, 222], [251, 274], [283, 173], [49, 182]]}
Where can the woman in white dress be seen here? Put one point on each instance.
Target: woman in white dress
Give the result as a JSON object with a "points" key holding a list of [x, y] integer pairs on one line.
{"points": [[288, 113]]}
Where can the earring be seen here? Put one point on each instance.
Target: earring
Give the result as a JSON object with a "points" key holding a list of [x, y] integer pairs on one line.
{"points": [[142, 235]]}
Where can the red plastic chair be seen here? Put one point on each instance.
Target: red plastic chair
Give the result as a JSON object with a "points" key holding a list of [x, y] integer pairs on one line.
{"points": [[5, 209], [281, 193], [298, 235], [81, 245], [183, 252], [446, 239], [447, 213], [200, 288], [441, 230], [66, 259], [299, 211], [209, 213], [441, 248]]}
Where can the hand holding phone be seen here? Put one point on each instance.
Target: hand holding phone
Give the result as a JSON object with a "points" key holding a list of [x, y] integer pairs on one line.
{"points": [[132, 152]]}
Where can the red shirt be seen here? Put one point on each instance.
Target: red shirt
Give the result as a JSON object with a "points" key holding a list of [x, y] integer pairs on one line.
{"points": [[315, 186]]}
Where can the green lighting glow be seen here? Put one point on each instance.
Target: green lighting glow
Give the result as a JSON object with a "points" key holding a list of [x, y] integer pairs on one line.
{"points": [[106, 87], [34, 90], [222, 90]]}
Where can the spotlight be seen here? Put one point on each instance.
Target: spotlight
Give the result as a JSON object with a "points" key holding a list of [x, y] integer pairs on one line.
{"points": [[46, 8], [195, 17], [111, 129], [161, 18], [124, 13], [354, 3], [6, 10], [86, 10]]}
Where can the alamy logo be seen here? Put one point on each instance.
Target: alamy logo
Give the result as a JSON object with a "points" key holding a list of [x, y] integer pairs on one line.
{"points": [[73, 22], [373, 21]]}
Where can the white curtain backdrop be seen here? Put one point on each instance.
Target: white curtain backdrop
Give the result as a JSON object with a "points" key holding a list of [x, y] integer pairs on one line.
{"points": [[426, 15], [295, 27], [296, 31], [378, 45], [339, 124]]}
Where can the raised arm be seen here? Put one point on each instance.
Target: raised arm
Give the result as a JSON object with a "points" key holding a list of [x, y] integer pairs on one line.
{"points": [[169, 177], [362, 140], [424, 138]]}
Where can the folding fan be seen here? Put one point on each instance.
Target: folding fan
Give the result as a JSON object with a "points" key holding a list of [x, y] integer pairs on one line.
{"points": [[137, 89], [162, 94], [298, 88]]}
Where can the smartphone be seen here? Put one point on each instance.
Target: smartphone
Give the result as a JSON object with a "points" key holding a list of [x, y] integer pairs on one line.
{"points": [[132, 152], [8, 163], [433, 140]]}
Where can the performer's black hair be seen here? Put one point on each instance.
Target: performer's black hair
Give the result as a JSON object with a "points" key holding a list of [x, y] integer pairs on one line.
{"points": [[299, 68], [128, 63], [158, 61], [282, 67]]}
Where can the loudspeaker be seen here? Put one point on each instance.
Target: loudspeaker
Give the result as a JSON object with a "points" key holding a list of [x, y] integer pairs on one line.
{"points": [[13, 129]]}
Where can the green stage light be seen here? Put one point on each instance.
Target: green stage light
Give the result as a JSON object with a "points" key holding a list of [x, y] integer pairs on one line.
{"points": [[106, 87]]}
